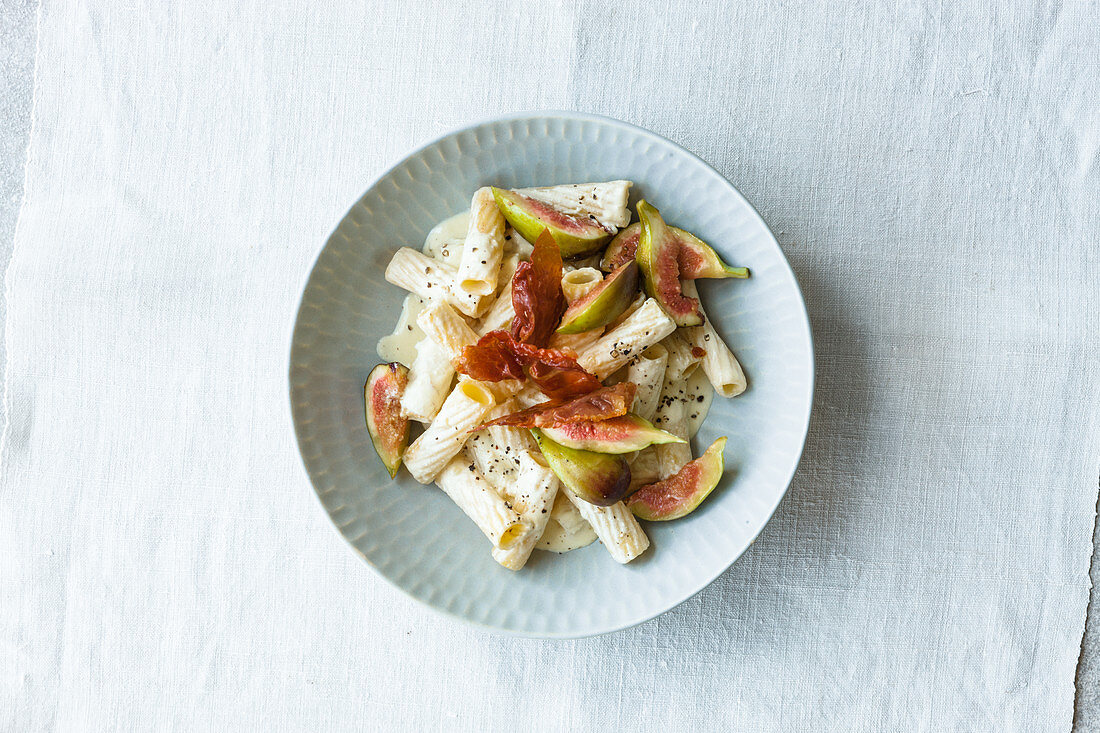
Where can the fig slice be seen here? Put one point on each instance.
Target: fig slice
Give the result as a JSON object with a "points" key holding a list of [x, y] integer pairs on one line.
{"points": [[389, 429], [616, 435], [603, 303], [696, 258], [598, 478], [658, 250], [575, 236], [681, 494]]}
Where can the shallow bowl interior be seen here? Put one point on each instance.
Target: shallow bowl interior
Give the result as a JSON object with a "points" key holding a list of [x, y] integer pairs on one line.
{"points": [[413, 535]]}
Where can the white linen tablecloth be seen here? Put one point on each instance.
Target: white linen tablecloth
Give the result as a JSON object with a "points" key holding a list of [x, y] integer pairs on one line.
{"points": [[932, 170]]}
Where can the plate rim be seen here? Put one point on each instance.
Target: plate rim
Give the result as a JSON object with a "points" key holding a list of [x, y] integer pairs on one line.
{"points": [[566, 115]]}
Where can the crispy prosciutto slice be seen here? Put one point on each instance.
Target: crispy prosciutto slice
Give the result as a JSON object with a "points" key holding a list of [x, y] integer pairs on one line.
{"points": [[536, 293], [601, 404], [494, 357], [497, 355]]}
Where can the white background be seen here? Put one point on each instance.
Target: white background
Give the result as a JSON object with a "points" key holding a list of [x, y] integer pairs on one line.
{"points": [[933, 175]]}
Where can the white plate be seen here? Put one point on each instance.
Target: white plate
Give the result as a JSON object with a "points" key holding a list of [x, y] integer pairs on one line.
{"points": [[413, 535]]}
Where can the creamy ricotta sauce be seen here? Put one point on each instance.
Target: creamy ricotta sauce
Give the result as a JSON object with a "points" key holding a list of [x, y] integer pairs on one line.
{"points": [[445, 240], [570, 533], [557, 539], [400, 346]]}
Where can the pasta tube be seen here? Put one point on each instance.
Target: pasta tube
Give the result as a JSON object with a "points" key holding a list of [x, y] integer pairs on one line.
{"points": [[634, 305], [579, 283], [463, 410], [496, 450], [566, 529], [606, 201], [578, 343], [473, 495], [508, 265], [536, 486], [565, 514], [529, 395], [647, 372], [431, 279], [429, 382], [500, 313], [672, 416], [481, 254], [645, 327], [441, 323], [416, 272], [615, 526], [721, 366], [644, 467], [574, 286], [682, 363]]}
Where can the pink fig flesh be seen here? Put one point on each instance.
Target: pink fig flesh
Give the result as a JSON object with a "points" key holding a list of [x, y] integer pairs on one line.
{"points": [[575, 236], [616, 435], [658, 250], [696, 258], [680, 495], [389, 430]]}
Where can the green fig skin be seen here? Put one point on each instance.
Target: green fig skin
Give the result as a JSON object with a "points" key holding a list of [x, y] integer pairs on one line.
{"points": [[575, 237], [657, 253], [598, 478], [617, 435], [604, 303], [389, 431], [680, 495], [696, 258]]}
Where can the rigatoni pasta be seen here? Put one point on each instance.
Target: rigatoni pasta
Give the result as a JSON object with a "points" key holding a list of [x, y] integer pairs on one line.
{"points": [[647, 371], [722, 368], [535, 489], [645, 467], [500, 524], [616, 527], [672, 416], [429, 384], [605, 201], [441, 323], [416, 272], [481, 252], [462, 411], [682, 359], [645, 327], [575, 285], [579, 283], [500, 313], [496, 450], [578, 343]]}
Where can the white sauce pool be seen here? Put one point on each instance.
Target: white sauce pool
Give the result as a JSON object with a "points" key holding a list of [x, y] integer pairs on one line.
{"points": [[557, 539], [400, 346], [446, 238], [571, 533]]}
